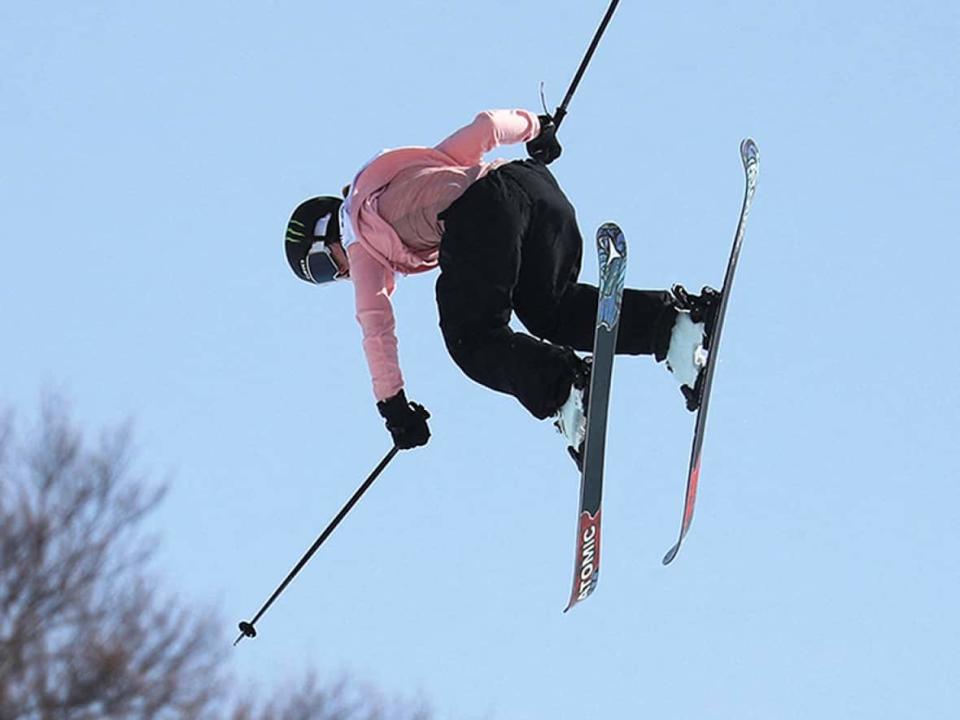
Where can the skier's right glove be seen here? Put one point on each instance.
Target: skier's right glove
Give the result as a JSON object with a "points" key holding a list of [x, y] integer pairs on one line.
{"points": [[406, 421], [545, 147]]}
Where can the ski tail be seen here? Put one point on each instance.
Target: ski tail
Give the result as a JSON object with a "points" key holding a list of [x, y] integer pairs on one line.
{"points": [[587, 565]]}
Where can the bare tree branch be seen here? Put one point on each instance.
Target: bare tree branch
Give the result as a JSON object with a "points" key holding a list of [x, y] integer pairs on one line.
{"points": [[84, 632]]}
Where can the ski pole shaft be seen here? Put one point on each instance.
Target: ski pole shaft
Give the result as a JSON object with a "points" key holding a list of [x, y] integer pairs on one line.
{"points": [[562, 110], [247, 628]]}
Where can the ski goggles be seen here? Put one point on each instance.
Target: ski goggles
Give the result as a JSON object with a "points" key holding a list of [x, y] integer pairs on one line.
{"points": [[320, 266]]}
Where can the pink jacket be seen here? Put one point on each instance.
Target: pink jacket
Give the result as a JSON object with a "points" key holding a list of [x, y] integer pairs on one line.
{"points": [[378, 252]]}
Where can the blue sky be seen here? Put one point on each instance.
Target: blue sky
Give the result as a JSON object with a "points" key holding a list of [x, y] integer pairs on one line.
{"points": [[151, 155]]}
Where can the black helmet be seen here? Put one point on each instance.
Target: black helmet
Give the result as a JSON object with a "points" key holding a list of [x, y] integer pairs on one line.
{"points": [[312, 227]]}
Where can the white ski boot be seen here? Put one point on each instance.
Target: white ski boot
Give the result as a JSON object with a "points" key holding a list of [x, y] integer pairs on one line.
{"points": [[571, 419], [690, 340], [687, 357]]}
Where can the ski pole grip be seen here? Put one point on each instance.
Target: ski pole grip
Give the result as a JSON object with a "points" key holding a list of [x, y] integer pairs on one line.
{"points": [[558, 116]]}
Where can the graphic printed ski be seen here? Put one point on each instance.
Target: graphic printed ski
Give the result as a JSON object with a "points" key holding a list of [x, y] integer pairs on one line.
{"points": [[612, 252], [751, 168]]}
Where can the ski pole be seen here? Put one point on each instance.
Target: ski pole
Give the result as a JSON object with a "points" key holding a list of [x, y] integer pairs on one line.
{"points": [[562, 110], [247, 628]]}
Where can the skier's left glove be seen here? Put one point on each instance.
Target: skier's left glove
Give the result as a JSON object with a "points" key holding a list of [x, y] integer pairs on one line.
{"points": [[545, 147], [406, 421]]}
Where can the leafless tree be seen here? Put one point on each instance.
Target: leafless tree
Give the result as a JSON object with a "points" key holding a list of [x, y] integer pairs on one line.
{"points": [[84, 633], [340, 700]]}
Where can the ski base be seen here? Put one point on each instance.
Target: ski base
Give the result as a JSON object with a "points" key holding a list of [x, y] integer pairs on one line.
{"points": [[750, 157]]}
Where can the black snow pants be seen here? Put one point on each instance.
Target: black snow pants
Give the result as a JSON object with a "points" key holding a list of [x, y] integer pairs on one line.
{"points": [[511, 244]]}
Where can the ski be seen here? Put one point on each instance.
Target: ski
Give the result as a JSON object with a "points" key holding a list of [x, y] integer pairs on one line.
{"points": [[750, 157], [612, 253]]}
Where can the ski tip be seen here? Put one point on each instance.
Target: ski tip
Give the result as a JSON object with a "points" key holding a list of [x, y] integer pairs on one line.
{"points": [[749, 151]]}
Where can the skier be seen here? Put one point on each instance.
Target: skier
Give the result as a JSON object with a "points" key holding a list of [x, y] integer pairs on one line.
{"points": [[506, 240]]}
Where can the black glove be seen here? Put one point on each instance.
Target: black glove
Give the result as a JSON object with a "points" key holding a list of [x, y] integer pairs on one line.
{"points": [[545, 147], [406, 421]]}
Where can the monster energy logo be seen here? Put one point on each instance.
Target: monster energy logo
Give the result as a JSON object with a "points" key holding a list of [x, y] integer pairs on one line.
{"points": [[295, 233]]}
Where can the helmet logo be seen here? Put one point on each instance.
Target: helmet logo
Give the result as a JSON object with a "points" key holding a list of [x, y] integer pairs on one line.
{"points": [[295, 231]]}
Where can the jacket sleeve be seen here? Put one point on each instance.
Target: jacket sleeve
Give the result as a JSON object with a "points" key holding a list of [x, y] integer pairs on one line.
{"points": [[373, 285], [488, 130]]}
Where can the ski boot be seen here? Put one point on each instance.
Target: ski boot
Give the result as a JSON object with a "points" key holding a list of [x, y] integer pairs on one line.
{"points": [[690, 340], [571, 418]]}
